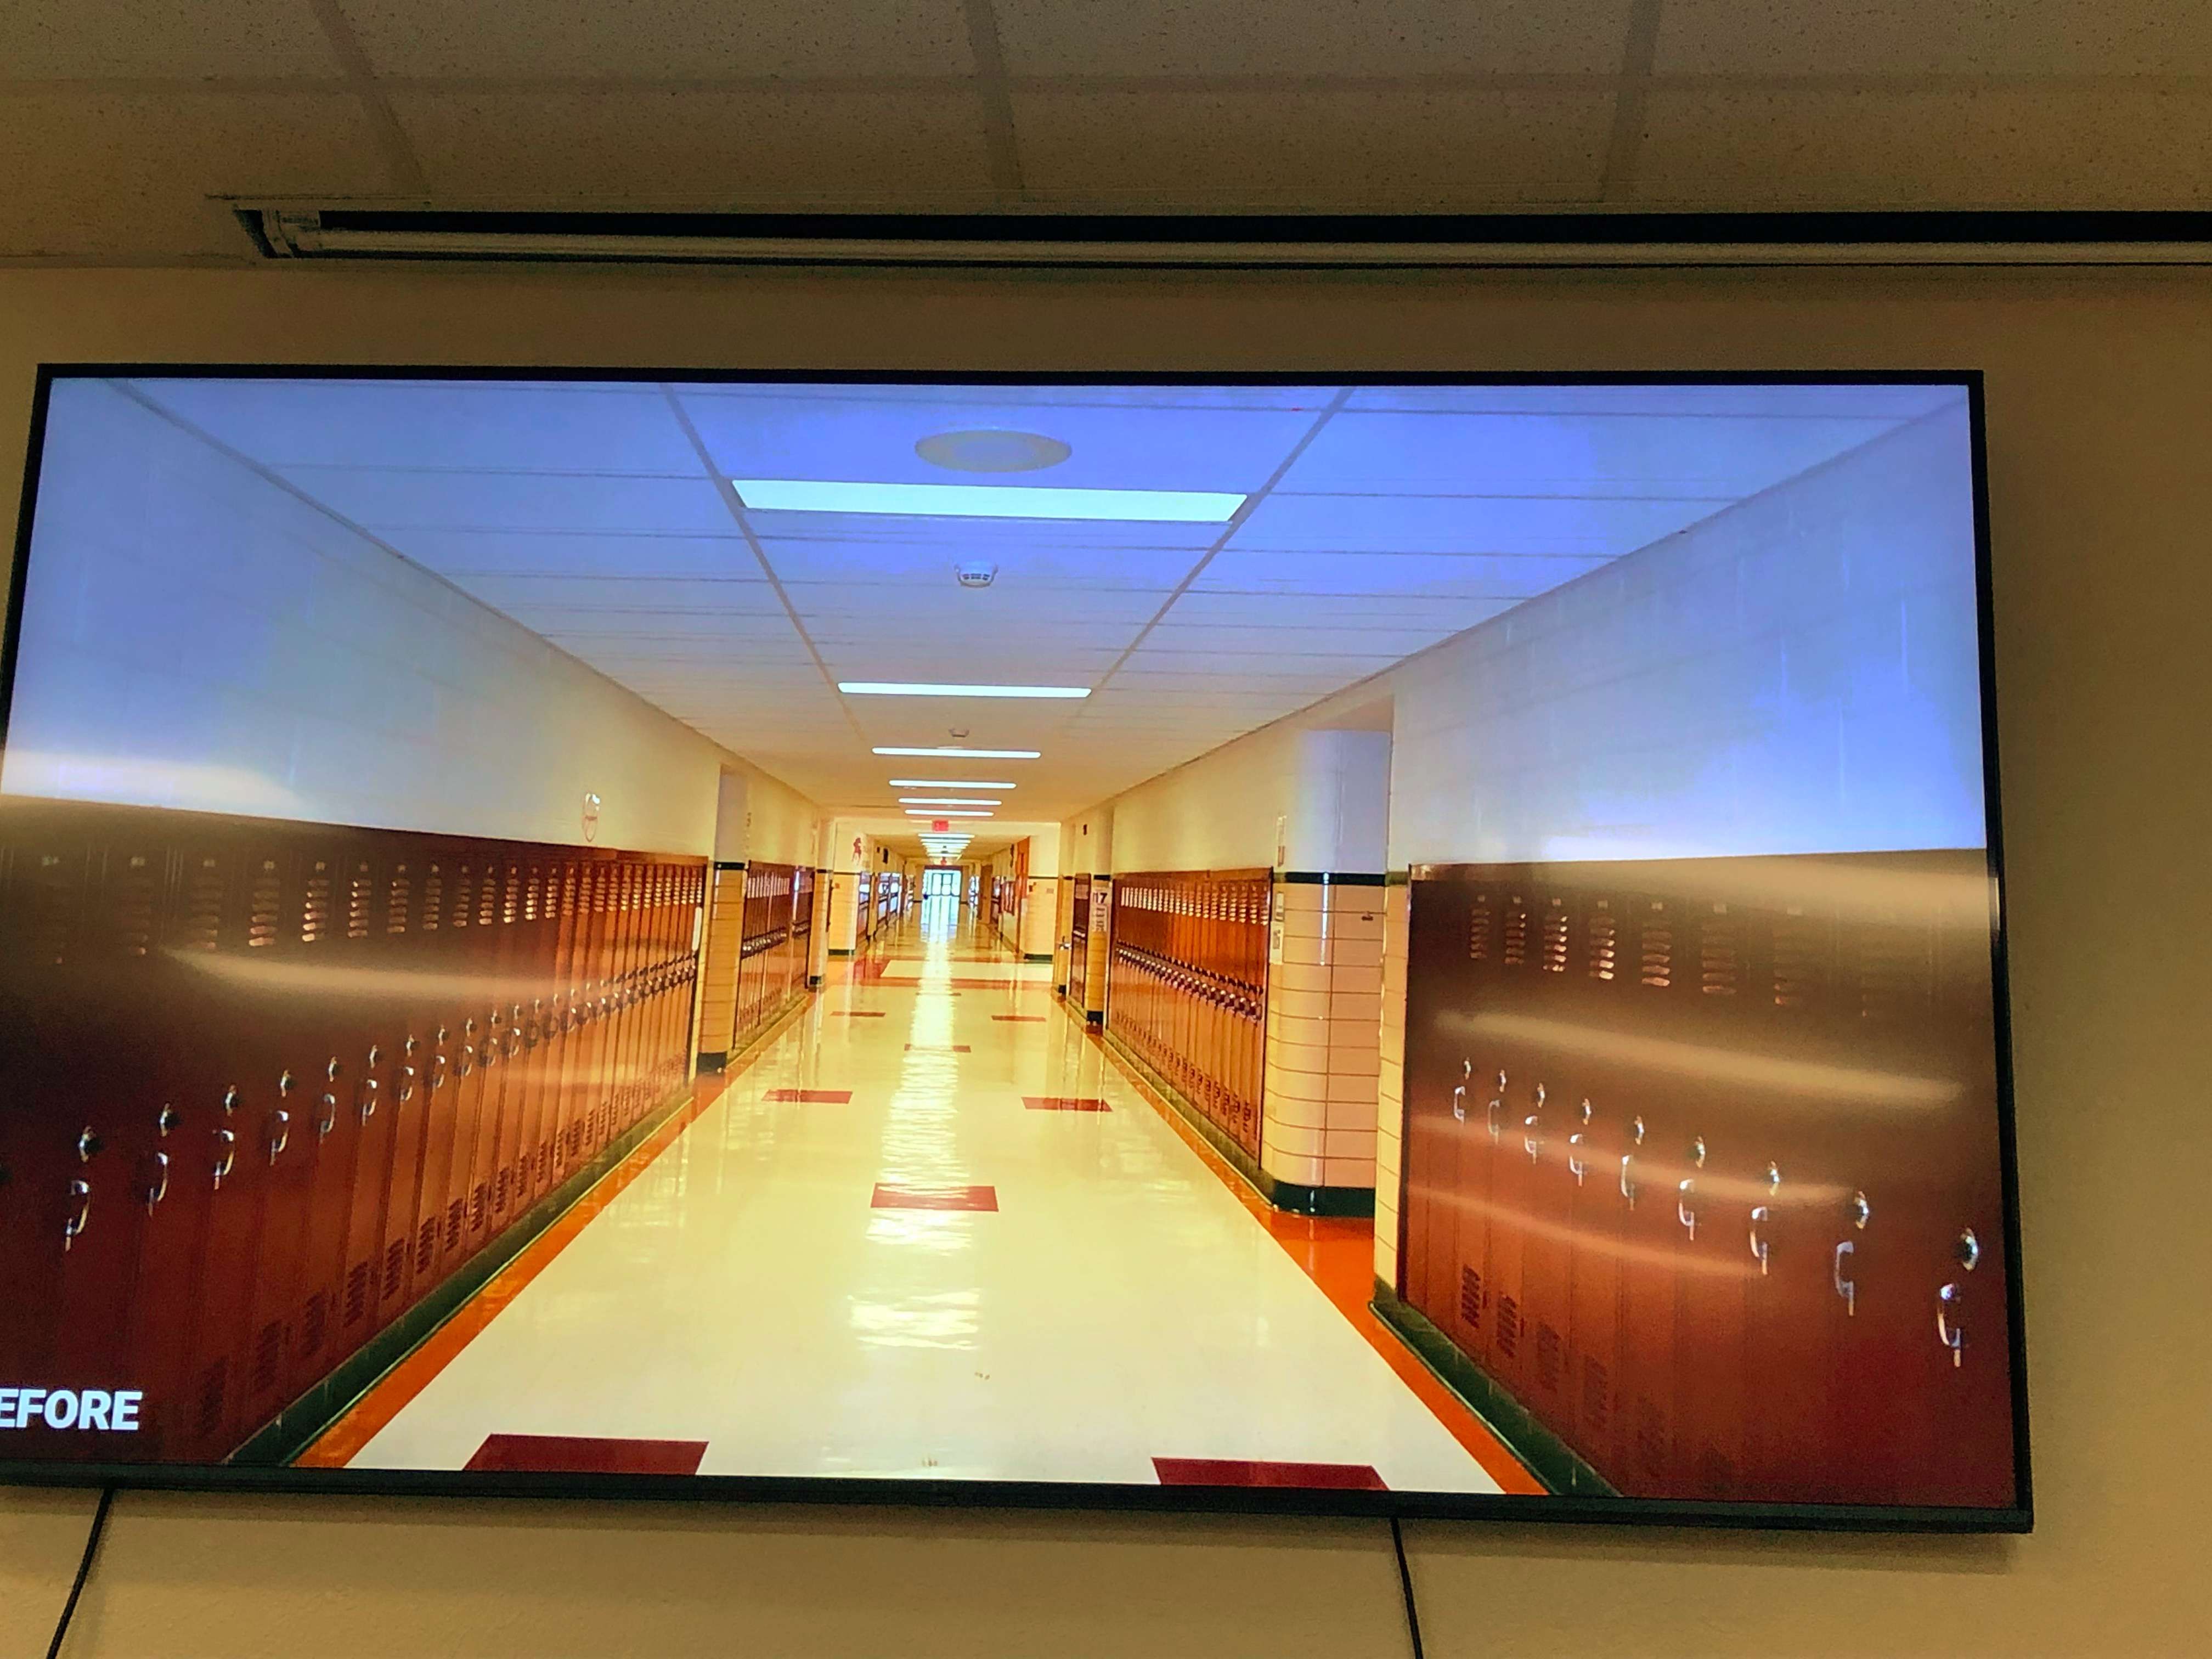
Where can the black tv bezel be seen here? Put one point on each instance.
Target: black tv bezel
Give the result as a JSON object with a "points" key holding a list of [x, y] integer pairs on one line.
{"points": [[894, 1492]]}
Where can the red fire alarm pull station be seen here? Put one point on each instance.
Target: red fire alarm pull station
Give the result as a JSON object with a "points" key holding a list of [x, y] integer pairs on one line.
{"points": [[941, 823]]}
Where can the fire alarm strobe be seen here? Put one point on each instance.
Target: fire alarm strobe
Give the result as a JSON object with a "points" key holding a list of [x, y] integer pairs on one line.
{"points": [[975, 575]]}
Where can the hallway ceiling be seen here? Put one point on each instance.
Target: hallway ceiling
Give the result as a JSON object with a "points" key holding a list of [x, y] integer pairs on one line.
{"points": [[1377, 522], [120, 120]]}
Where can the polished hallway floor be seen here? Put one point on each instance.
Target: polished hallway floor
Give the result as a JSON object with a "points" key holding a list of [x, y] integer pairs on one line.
{"points": [[930, 1229]]}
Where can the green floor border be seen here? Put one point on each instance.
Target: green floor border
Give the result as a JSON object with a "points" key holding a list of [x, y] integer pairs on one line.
{"points": [[1288, 1195], [1549, 1458]]}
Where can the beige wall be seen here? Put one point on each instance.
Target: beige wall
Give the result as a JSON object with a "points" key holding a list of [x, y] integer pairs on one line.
{"points": [[2101, 499]]}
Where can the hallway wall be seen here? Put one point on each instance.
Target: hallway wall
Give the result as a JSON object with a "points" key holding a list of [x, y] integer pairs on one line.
{"points": [[2099, 495], [348, 686]]}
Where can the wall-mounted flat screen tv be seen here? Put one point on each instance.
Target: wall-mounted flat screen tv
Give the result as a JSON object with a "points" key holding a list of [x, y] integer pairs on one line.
{"points": [[1382, 944]]}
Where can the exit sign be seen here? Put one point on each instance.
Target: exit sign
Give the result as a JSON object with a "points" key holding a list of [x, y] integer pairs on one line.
{"points": [[940, 825]]}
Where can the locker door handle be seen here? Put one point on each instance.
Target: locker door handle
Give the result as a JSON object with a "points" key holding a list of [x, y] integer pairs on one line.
{"points": [[73, 1229], [329, 1119], [280, 1123], [1459, 1103], [1846, 1288], [1759, 1215], [1576, 1167], [368, 1092], [1628, 1186], [160, 1189], [1532, 1141], [227, 1143], [1948, 1331], [1683, 1212]]}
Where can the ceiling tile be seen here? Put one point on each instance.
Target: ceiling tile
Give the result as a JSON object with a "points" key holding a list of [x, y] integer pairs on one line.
{"points": [[1341, 523], [1905, 37], [648, 145], [2015, 146], [1440, 575], [1247, 37], [103, 174], [93, 39], [442, 424], [1369, 149], [806, 567], [623, 591], [662, 39], [405, 499]]}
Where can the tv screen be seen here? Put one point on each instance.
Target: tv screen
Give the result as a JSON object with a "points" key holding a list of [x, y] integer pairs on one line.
{"points": [[1423, 945]]}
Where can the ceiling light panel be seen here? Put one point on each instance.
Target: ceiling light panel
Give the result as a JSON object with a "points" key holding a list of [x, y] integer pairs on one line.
{"points": [[945, 812], [986, 500], [971, 754], [947, 801], [947, 783]]}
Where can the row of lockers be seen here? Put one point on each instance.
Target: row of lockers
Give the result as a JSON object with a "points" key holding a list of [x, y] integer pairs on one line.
{"points": [[1702, 1166], [777, 937], [268, 1086], [1187, 987]]}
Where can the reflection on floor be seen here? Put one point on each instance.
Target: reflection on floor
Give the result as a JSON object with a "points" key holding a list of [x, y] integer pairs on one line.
{"points": [[954, 1241]]}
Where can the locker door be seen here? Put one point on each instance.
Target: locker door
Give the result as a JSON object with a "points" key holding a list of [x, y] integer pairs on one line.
{"points": [[1078, 946], [483, 1026], [1539, 1157], [365, 1088], [457, 1084], [1600, 1127], [1514, 1175], [504, 1051], [407, 1098]]}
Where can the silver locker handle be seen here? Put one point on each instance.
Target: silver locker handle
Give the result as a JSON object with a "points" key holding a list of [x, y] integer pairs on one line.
{"points": [[1760, 1214], [227, 1144], [281, 1123], [73, 1229], [1846, 1288], [1683, 1212], [1948, 1331], [160, 1189]]}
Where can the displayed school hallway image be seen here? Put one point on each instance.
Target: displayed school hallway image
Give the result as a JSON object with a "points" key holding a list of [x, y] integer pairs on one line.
{"points": [[1425, 938]]}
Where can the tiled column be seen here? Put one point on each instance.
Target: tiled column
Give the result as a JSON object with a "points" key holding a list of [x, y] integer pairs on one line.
{"points": [[1390, 1084], [717, 973], [1323, 1056]]}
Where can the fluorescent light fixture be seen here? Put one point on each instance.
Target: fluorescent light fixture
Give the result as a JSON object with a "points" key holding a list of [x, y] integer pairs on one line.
{"points": [[932, 500], [945, 800], [969, 753], [942, 812], [948, 783], [919, 688]]}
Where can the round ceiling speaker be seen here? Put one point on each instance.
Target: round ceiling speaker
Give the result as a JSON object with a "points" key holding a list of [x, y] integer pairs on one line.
{"points": [[992, 450]]}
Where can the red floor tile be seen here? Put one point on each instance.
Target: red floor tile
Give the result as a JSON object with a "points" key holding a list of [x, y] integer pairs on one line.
{"points": [[812, 1097], [562, 1454], [1238, 1471], [937, 1049], [889, 1197], [1065, 1103]]}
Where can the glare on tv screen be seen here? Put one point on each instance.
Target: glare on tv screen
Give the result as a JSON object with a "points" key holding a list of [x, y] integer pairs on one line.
{"points": [[1421, 947]]}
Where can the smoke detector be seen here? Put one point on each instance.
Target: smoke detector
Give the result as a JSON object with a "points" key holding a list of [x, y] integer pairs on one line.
{"points": [[975, 575]]}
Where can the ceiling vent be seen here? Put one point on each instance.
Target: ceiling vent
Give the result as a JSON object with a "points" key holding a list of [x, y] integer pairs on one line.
{"points": [[975, 575], [1034, 239]]}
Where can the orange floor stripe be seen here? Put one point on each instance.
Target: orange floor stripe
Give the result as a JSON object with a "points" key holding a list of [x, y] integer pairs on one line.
{"points": [[1338, 1254]]}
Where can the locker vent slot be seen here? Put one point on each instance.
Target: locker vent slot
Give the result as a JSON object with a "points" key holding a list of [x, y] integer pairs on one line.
{"points": [[426, 1245], [203, 927], [315, 906], [433, 897], [261, 921], [1894, 973], [487, 899], [512, 898], [1508, 1336], [315, 1323], [1597, 1394], [359, 892], [1603, 932], [1797, 960], [268, 1356], [459, 917], [454, 1224], [395, 1267], [478, 1194], [1516, 933], [1658, 962], [213, 1383], [1717, 956], [1481, 930], [398, 901], [135, 890], [1553, 959], [532, 894], [53, 907], [356, 1294], [1470, 1298], [1551, 1358], [499, 1191]]}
